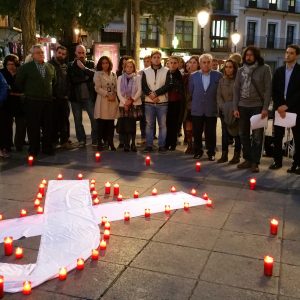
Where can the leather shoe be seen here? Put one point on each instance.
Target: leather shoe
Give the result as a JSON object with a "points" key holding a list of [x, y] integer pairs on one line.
{"points": [[275, 166], [292, 169]]}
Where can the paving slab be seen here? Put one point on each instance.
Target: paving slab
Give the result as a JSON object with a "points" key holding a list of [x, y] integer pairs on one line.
{"points": [[38, 295], [187, 235], [290, 252], [171, 259], [96, 276], [290, 281], [249, 245], [241, 272], [143, 284], [213, 291]]}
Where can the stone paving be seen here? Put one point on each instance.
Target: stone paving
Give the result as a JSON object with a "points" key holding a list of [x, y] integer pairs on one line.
{"points": [[206, 253]]}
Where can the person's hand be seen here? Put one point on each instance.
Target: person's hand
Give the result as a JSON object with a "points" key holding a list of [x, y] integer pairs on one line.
{"points": [[282, 108], [264, 113], [152, 95], [126, 107], [156, 100], [236, 113], [80, 64], [282, 114], [111, 97], [128, 102]]}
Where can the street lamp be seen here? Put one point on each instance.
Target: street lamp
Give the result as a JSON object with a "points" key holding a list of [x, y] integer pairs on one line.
{"points": [[203, 17], [235, 38]]}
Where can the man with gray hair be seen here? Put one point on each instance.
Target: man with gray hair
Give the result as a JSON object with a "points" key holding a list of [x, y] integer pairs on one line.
{"points": [[81, 73], [203, 87], [36, 79]]}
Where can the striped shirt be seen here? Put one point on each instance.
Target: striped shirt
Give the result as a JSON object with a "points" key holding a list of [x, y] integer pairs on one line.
{"points": [[41, 68]]}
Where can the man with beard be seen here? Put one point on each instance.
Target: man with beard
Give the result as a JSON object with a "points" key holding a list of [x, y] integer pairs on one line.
{"points": [[61, 90], [81, 73], [251, 96]]}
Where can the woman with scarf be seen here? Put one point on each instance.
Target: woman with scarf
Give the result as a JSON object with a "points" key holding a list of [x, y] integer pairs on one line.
{"points": [[130, 107], [106, 106]]}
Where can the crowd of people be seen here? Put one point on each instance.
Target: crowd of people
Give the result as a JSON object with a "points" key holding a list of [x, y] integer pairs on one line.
{"points": [[37, 96]]}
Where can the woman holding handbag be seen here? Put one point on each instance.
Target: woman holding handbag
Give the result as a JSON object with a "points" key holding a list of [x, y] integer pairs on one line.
{"points": [[130, 107]]}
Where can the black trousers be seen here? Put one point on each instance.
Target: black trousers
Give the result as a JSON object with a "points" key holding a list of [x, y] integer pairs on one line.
{"points": [[106, 130], [173, 115], [209, 126], [6, 120], [61, 113], [39, 115], [278, 136]]}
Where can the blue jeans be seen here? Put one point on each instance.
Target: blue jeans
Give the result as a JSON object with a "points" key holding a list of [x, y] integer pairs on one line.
{"points": [[77, 108], [252, 145], [153, 112]]}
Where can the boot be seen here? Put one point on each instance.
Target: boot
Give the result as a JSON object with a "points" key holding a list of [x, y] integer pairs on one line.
{"points": [[236, 158], [189, 138], [224, 157]]}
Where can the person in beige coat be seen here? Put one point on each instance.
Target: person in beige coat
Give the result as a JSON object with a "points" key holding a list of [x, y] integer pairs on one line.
{"points": [[225, 95], [129, 93], [106, 107]]}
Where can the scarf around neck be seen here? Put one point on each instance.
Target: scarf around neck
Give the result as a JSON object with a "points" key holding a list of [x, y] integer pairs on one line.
{"points": [[246, 79], [128, 85]]}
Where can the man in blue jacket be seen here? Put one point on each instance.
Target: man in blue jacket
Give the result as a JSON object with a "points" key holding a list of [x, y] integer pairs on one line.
{"points": [[203, 88]]}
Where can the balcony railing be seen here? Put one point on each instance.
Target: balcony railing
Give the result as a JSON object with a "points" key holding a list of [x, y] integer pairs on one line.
{"points": [[264, 42], [280, 5]]}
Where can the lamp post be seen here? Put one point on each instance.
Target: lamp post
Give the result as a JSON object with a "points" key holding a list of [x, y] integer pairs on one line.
{"points": [[175, 42], [235, 38], [203, 17]]}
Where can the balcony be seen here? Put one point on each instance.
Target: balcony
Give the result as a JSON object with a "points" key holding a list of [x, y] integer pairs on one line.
{"points": [[279, 6], [264, 42]]}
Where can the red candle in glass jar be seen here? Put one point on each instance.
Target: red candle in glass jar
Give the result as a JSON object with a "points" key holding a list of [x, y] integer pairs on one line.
{"points": [[136, 194], [107, 188], [96, 201], [193, 192], [147, 160], [8, 246], [252, 183], [107, 225], [1, 217], [94, 194], [1, 286], [79, 176], [198, 166], [93, 181], [59, 177], [103, 220], [119, 198], [147, 213], [39, 210], [167, 209], [62, 275], [80, 264], [39, 196], [19, 252], [95, 254], [126, 216], [23, 213], [92, 187], [44, 182], [173, 189], [97, 156], [106, 234], [268, 265], [102, 245], [26, 288], [116, 189], [186, 206], [30, 160], [42, 189], [205, 196], [154, 192], [209, 203], [37, 203], [274, 226]]}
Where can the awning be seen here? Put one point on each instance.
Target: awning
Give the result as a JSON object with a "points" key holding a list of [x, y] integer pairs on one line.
{"points": [[115, 27]]}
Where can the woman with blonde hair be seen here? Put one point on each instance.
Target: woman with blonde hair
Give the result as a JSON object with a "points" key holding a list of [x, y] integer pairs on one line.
{"points": [[130, 109]]}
